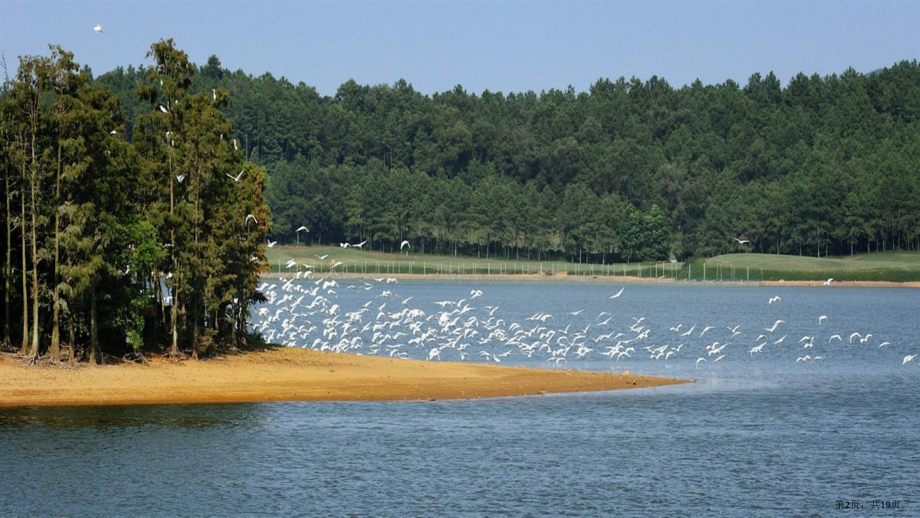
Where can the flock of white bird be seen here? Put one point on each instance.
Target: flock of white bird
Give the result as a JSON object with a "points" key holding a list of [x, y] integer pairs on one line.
{"points": [[303, 311]]}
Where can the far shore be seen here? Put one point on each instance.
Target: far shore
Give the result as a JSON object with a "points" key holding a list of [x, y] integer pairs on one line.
{"points": [[290, 374], [606, 279]]}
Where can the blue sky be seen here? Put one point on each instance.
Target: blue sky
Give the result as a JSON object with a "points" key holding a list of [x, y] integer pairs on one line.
{"points": [[505, 46]]}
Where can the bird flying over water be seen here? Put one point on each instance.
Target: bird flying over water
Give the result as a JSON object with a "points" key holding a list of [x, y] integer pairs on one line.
{"points": [[617, 294], [774, 326]]}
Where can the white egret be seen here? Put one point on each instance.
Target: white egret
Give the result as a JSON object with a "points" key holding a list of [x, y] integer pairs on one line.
{"points": [[617, 294], [237, 177], [98, 28], [774, 326]]}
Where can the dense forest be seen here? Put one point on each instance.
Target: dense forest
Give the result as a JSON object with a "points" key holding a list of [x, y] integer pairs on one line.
{"points": [[628, 170], [115, 246]]}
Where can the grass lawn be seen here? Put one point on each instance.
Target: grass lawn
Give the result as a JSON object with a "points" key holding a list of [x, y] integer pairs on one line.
{"points": [[878, 266], [369, 263]]}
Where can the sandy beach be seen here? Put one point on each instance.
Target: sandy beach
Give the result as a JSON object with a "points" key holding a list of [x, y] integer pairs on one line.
{"points": [[285, 374]]}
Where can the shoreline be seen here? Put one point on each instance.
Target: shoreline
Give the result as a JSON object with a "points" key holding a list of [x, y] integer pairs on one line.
{"points": [[290, 374], [603, 279]]}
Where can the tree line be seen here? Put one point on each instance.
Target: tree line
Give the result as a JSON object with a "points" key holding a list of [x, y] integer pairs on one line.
{"points": [[628, 170], [117, 245]]}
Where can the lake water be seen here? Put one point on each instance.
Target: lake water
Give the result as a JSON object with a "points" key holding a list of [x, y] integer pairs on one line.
{"points": [[757, 435]]}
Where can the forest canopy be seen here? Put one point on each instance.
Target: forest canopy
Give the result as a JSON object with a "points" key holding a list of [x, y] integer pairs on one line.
{"points": [[628, 170]]}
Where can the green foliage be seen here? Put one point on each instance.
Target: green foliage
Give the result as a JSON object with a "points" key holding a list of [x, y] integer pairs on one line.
{"points": [[130, 242], [817, 167]]}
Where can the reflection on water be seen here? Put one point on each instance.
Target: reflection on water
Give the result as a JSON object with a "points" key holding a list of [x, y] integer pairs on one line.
{"points": [[755, 436]]}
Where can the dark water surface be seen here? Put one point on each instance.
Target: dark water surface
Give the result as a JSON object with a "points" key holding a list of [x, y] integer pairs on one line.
{"points": [[756, 435]]}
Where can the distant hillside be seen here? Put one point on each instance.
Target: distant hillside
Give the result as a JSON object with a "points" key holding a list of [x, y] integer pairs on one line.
{"points": [[630, 169]]}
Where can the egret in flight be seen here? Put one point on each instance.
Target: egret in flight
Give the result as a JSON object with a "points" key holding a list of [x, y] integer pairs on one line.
{"points": [[98, 28], [272, 243], [617, 295], [237, 177], [741, 241], [403, 245]]}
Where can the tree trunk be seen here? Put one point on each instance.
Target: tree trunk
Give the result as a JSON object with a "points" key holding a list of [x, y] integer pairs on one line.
{"points": [[195, 306], [93, 328], [8, 265], [24, 348], [55, 348], [174, 318], [72, 339], [35, 285]]}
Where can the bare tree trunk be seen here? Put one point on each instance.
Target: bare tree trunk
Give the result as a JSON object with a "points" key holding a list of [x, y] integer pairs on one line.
{"points": [[55, 348], [72, 339], [195, 306], [35, 286], [174, 347], [93, 328], [8, 271], [24, 348], [174, 318]]}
